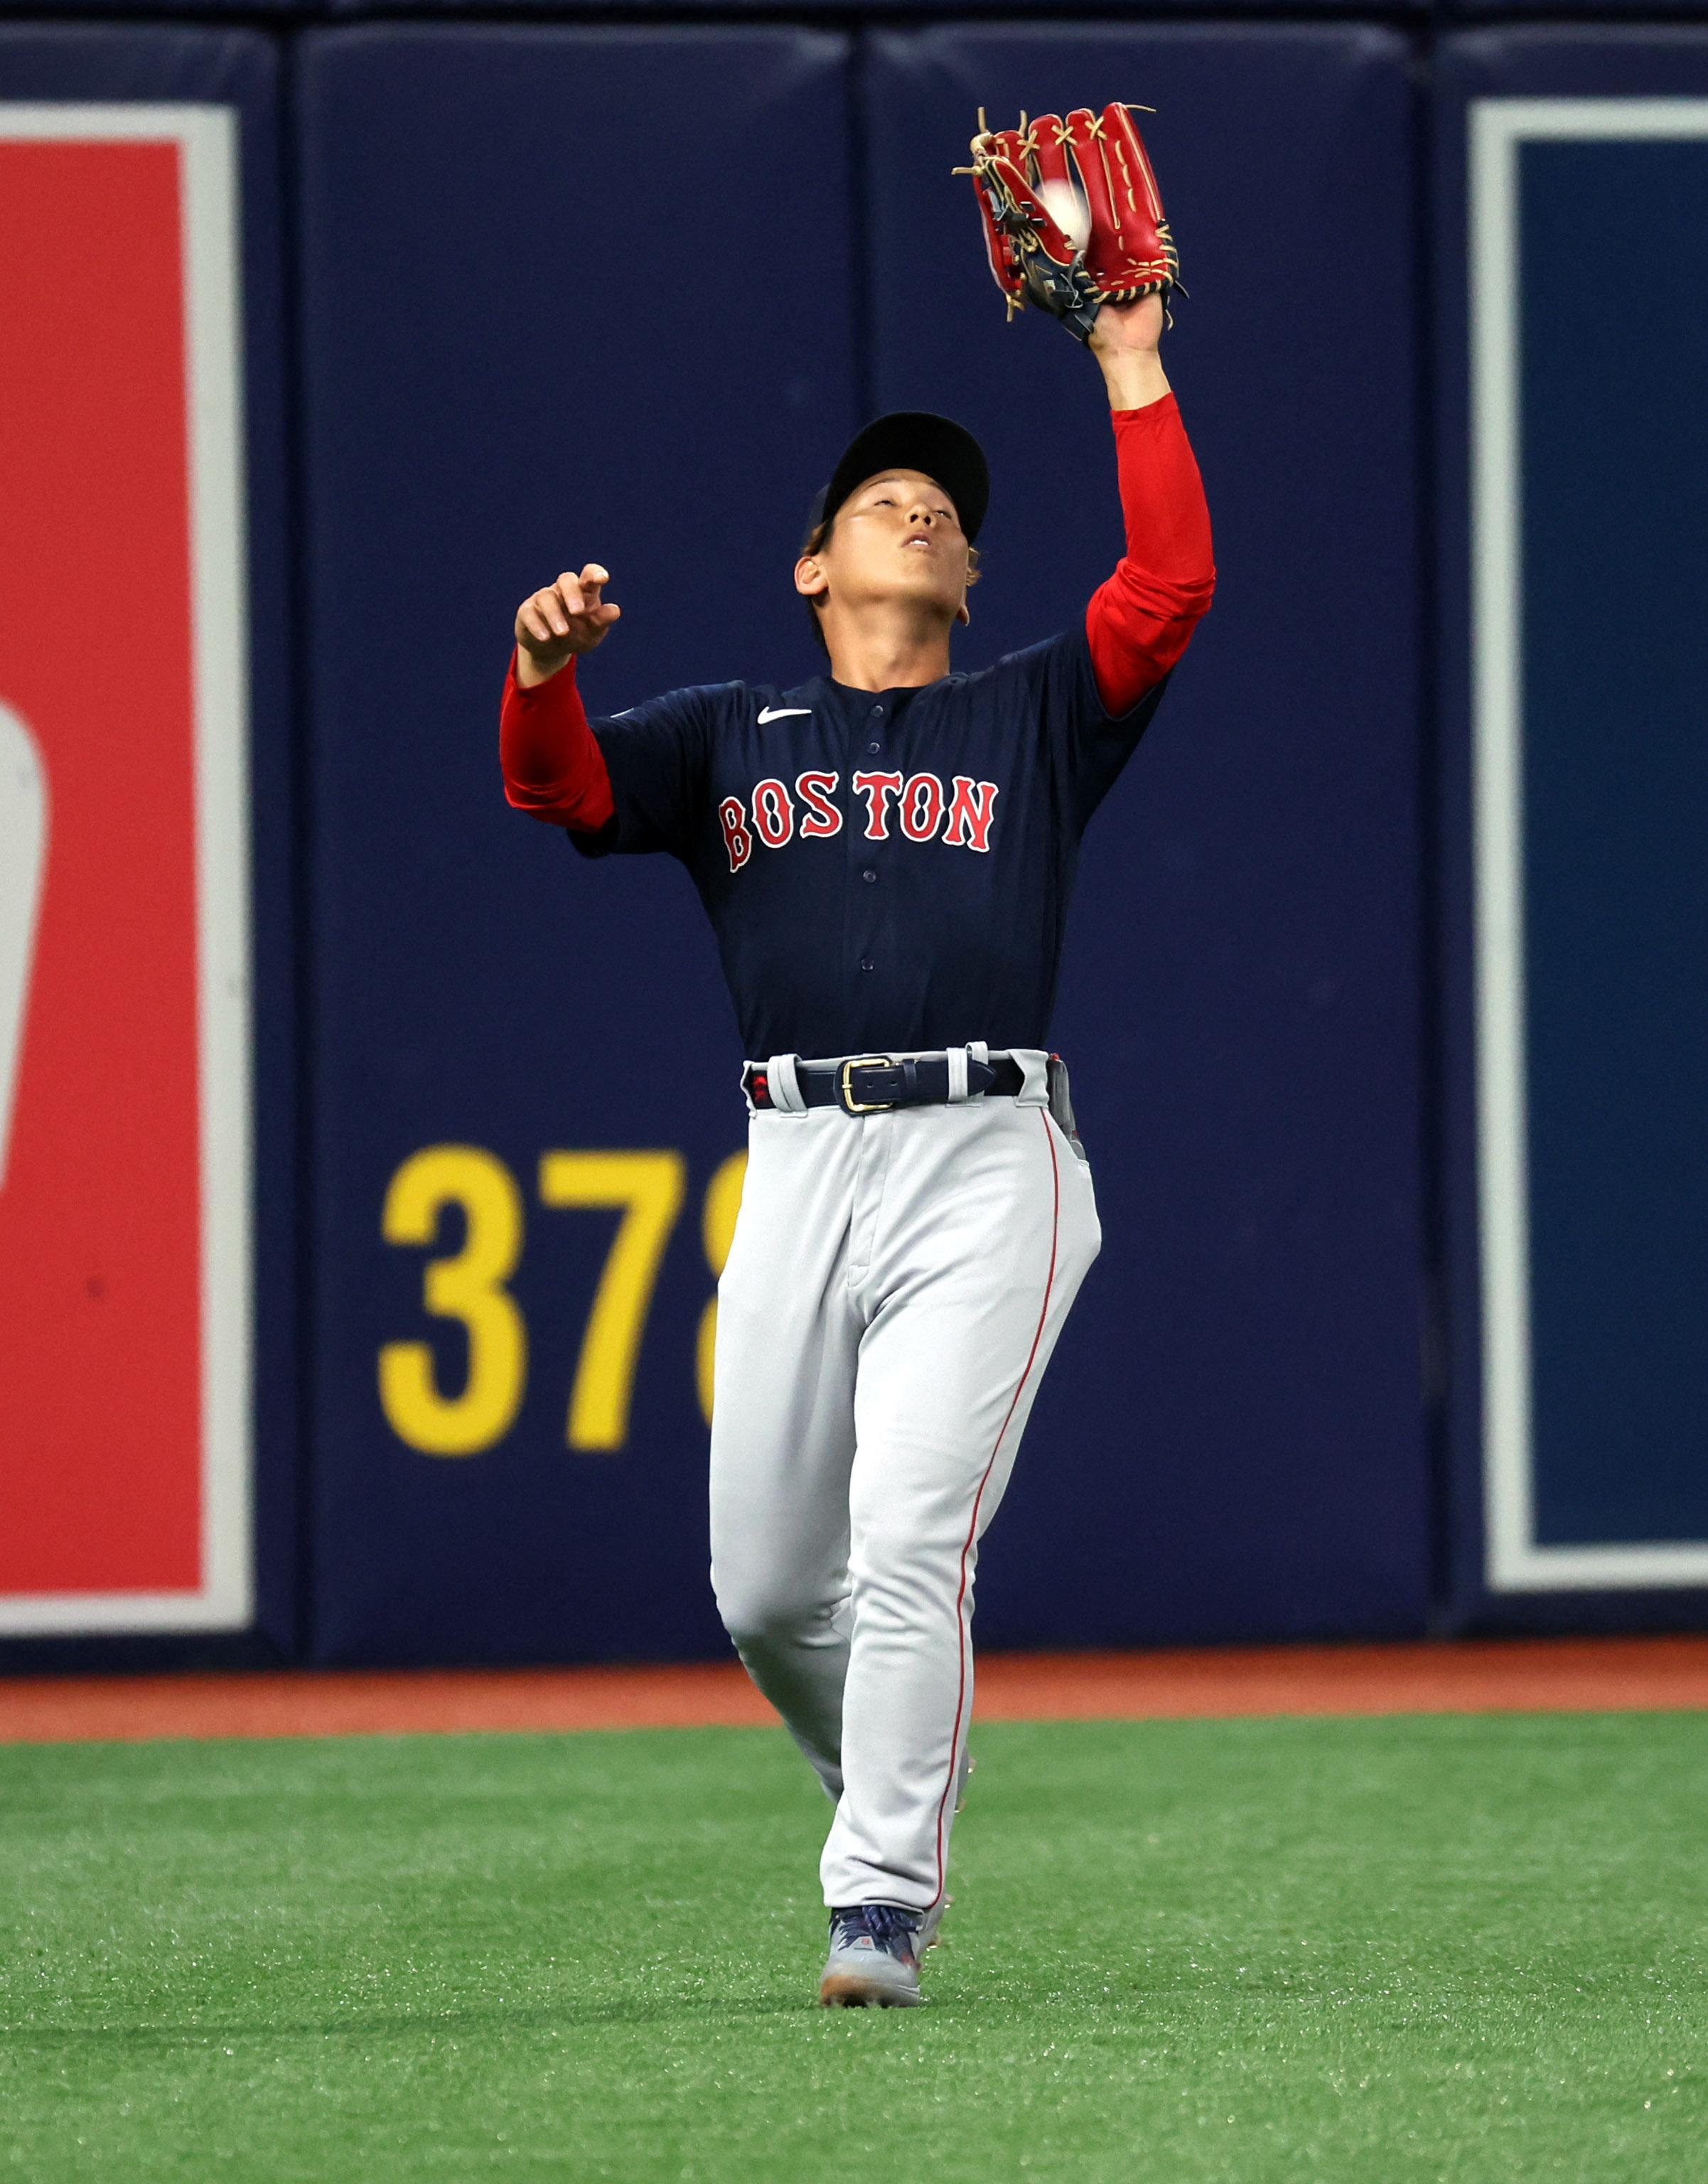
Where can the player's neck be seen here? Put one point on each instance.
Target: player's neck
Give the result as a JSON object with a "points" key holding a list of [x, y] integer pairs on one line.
{"points": [[882, 651]]}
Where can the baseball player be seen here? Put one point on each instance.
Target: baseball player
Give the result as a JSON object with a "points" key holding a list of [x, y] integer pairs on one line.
{"points": [[885, 854]]}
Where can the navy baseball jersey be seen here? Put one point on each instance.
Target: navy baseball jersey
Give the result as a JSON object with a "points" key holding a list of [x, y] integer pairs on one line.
{"points": [[885, 871]]}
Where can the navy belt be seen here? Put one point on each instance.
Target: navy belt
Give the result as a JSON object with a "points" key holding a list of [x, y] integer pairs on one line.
{"points": [[871, 1085]]}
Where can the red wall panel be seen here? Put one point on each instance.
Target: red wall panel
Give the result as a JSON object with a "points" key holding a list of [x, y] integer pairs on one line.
{"points": [[100, 1449]]}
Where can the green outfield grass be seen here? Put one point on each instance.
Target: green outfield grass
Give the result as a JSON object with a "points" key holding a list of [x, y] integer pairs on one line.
{"points": [[1378, 1952]]}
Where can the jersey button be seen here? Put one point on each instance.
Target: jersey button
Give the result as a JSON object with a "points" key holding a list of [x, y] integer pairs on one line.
{"points": [[867, 964], [868, 874], [874, 747], [877, 712]]}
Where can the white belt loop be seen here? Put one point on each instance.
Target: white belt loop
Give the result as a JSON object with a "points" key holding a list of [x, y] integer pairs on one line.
{"points": [[1034, 1070], [957, 1060], [978, 1049], [783, 1085]]}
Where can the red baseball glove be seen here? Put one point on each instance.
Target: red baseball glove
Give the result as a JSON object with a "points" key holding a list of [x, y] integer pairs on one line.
{"points": [[1072, 216]]}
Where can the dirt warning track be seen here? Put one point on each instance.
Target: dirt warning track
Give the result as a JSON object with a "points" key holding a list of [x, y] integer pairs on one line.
{"points": [[1528, 1675]]}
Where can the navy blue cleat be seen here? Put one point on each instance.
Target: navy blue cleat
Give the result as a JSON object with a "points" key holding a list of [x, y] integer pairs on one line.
{"points": [[874, 1958]]}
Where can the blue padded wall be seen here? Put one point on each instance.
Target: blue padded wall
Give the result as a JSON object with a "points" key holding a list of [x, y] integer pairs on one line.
{"points": [[526, 348], [1231, 1438], [1612, 656]]}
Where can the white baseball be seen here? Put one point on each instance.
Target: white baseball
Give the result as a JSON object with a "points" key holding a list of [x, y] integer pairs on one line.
{"points": [[1068, 209]]}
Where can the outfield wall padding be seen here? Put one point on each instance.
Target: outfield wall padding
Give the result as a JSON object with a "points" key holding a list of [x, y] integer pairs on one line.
{"points": [[1606, 656], [492, 328], [159, 66]]}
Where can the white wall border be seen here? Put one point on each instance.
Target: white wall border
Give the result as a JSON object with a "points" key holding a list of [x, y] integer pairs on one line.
{"points": [[1515, 1561], [207, 140]]}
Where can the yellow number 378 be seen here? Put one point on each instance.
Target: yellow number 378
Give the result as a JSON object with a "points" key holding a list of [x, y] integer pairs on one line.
{"points": [[471, 1286]]}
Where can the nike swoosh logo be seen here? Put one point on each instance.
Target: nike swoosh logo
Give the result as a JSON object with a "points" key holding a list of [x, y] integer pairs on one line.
{"points": [[780, 712]]}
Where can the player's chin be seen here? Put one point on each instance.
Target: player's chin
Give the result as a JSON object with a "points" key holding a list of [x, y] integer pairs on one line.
{"points": [[932, 580]]}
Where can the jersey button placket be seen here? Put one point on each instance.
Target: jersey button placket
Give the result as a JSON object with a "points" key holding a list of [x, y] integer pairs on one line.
{"points": [[858, 843], [875, 1143]]}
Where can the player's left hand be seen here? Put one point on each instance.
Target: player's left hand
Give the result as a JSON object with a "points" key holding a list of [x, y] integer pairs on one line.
{"points": [[1135, 328]]}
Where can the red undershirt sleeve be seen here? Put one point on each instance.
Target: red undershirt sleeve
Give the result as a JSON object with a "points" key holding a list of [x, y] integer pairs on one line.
{"points": [[1139, 622], [553, 768]]}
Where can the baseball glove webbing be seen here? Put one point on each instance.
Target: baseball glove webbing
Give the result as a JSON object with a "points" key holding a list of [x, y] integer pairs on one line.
{"points": [[1072, 215]]}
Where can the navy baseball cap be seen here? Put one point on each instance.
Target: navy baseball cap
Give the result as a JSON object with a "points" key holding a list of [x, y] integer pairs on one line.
{"points": [[913, 440]]}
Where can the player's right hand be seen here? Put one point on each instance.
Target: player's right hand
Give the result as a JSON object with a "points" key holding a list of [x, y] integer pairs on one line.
{"points": [[564, 618]]}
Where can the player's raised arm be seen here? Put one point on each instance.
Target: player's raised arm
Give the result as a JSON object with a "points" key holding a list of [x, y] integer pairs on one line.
{"points": [[561, 620], [553, 766], [1140, 621], [1074, 226]]}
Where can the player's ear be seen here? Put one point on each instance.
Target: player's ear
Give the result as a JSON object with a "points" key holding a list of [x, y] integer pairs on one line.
{"points": [[811, 580], [960, 613]]}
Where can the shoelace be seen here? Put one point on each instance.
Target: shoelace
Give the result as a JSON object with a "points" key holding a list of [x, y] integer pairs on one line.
{"points": [[887, 1923]]}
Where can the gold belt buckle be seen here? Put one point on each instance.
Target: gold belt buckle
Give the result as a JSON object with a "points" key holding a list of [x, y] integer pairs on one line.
{"points": [[845, 1089]]}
